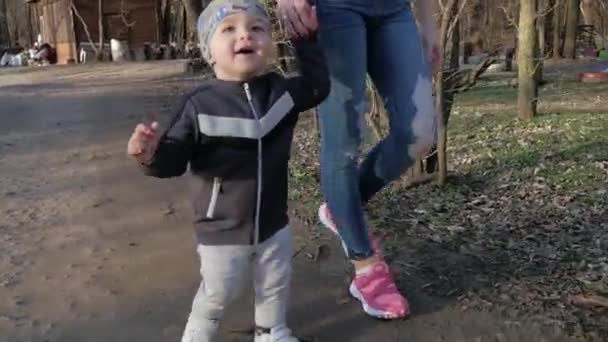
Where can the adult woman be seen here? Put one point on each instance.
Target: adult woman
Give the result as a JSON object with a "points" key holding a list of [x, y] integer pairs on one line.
{"points": [[379, 38]]}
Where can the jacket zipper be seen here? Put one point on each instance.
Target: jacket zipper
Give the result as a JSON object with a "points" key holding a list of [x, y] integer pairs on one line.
{"points": [[259, 178], [215, 192]]}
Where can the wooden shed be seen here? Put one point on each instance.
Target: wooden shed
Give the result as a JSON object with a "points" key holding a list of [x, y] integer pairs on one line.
{"points": [[63, 25]]}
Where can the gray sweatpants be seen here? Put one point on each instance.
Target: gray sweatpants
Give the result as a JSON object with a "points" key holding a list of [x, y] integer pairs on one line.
{"points": [[226, 270]]}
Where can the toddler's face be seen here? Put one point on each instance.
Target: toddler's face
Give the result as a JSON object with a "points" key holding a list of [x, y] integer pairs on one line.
{"points": [[241, 47]]}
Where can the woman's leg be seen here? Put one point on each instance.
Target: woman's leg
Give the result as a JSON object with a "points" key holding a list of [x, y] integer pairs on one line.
{"points": [[343, 37], [344, 34], [401, 73]]}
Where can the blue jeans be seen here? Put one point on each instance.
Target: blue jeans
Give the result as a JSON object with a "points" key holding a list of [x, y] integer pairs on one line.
{"points": [[378, 37]]}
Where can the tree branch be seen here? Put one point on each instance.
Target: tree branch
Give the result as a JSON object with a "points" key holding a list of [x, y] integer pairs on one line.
{"points": [[510, 18], [466, 80], [85, 27], [123, 17], [456, 18]]}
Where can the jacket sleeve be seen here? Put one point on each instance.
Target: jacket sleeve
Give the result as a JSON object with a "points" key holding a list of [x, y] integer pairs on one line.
{"points": [[177, 144], [311, 87]]}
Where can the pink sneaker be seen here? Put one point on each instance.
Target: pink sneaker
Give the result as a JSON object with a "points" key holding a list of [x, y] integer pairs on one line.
{"points": [[378, 293], [328, 222]]}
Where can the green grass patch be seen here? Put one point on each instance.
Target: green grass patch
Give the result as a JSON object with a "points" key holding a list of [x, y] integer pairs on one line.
{"points": [[566, 148], [484, 94]]}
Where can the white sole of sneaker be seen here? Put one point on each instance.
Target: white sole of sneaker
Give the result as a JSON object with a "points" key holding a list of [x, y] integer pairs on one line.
{"points": [[369, 310]]}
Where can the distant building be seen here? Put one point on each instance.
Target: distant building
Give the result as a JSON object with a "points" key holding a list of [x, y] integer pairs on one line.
{"points": [[61, 27]]}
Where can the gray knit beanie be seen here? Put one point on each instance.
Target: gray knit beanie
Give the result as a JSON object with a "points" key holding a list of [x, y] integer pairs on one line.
{"points": [[216, 12]]}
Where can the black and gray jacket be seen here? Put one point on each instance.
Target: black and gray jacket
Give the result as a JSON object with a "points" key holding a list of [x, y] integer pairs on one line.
{"points": [[236, 137]]}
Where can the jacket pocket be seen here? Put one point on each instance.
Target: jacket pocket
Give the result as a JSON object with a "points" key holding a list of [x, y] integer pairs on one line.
{"points": [[215, 193]]}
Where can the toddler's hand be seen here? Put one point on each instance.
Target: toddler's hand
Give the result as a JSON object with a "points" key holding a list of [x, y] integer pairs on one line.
{"points": [[143, 142]]}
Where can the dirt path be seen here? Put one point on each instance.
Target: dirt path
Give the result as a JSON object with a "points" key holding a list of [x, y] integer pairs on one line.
{"points": [[90, 250]]}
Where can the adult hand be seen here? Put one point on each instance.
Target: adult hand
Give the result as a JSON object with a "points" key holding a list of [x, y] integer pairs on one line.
{"points": [[299, 17]]}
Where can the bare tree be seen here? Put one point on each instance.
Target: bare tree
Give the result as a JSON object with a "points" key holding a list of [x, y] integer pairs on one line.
{"points": [[167, 28], [476, 14], [85, 27], [128, 26], [193, 10], [527, 58], [4, 30], [100, 28], [158, 15], [541, 23], [572, 15], [15, 18], [556, 12], [592, 16], [602, 31], [542, 11], [445, 79], [588, 11]]}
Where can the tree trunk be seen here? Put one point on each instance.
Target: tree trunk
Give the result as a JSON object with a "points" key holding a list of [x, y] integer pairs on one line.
{"points": [[526, 58], [180, 25], [556, 9], [452, 56], [588, 11], [603, 25], [13, 22], [542, 26], [453, 53], [539, 53], [509, 54], [450, 41], [129, 26], [571, 25], [5, 37], [100, 29], [167, 31], [193, 10], [30, 30], [158, 16]]}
